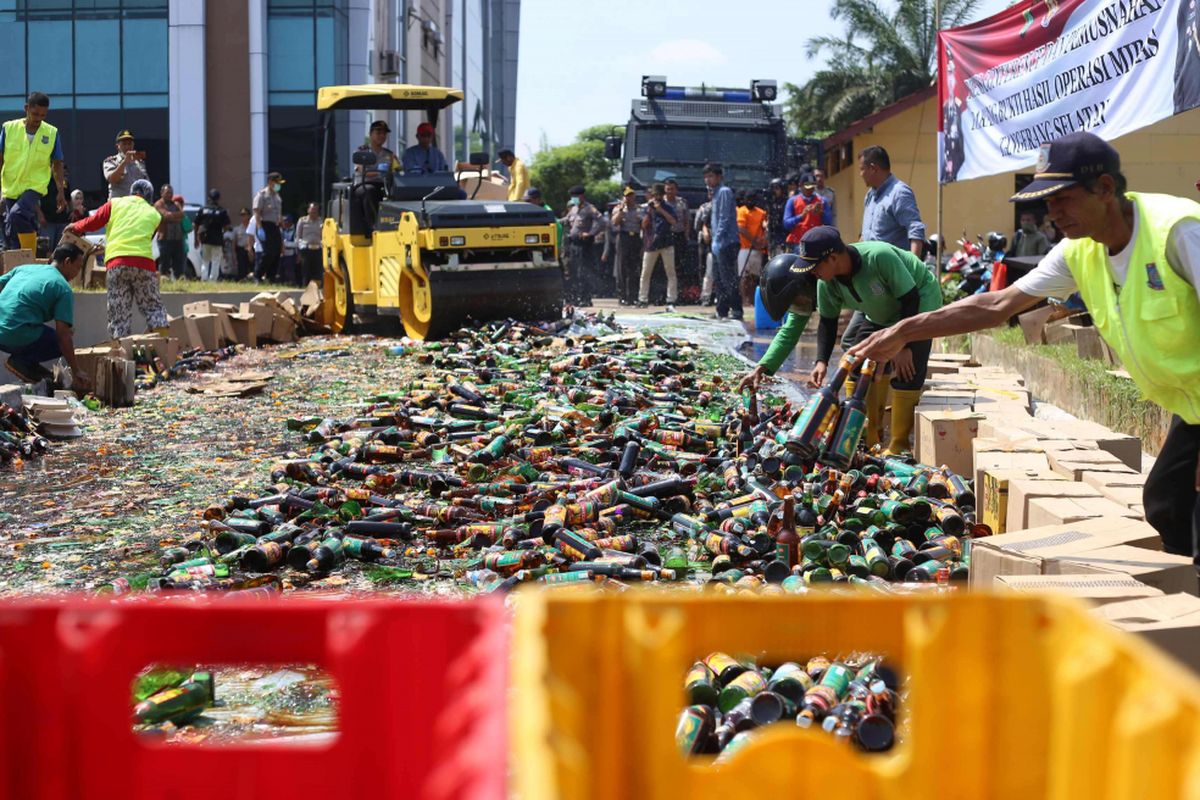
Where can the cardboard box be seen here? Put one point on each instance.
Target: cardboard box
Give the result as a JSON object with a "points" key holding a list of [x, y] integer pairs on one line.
{"points": [[1165, 571], [1033, 324], [953, 399], [990, 454], [263, 317], [1171, 622], [1059, 331], [283, 329], [166, 348], [1037, 551], [1127, 449], [245, 329], [198, 307], [1062, 510], [207, 328], [1021, 492], [87, 357], [944, 439], [1097, 589], [1073, 463], [15, 258], [993, 494]]}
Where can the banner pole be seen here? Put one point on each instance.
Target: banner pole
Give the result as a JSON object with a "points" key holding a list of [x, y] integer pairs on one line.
{"points": [[937, 257]]}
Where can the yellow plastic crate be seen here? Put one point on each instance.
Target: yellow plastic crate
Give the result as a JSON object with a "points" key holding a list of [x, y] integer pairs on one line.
{"points": [[1008, 697]]}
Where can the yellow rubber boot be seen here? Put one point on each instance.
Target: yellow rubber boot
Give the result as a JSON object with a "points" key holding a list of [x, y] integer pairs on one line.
{"points": [[877, 397], [28, 241], [904, 404]]}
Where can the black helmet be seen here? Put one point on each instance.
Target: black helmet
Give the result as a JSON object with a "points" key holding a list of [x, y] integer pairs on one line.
{"points": [[788, 280], [777, 182], [996, 241]]}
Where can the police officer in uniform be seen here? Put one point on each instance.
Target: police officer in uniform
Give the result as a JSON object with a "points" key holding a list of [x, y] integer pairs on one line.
{"points": [[124, 167]]}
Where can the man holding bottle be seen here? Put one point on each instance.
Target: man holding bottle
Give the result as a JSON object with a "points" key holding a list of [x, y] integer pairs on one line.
{"points": [[883, 281]]}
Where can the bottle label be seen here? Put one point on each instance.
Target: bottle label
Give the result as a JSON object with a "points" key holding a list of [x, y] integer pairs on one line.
{"points": [[846, 442]]}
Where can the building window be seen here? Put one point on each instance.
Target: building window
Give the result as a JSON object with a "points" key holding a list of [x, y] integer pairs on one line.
{"points": [[104, 65], [306, 49]]}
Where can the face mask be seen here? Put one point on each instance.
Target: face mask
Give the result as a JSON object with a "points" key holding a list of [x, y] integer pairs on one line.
{"points": [[1028, 227], [276, 188]]}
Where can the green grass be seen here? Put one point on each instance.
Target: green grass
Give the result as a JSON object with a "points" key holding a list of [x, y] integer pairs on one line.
{"points": [[188, 285]]}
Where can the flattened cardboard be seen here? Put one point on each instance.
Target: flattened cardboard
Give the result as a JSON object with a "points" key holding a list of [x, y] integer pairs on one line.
{"points": [[1097, 589], [1171, 622], [1037, 550], [944, 439], [1021, 492], [1045, 511], [1164, 571]]}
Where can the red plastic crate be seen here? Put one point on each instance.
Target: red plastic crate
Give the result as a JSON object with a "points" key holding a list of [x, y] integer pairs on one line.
{"points": [[422, 710]]}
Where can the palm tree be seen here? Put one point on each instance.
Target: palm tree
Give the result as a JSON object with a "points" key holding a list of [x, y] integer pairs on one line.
{"points": [[886, 54]]}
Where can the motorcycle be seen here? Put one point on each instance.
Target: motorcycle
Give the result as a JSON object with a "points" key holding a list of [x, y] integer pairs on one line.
{"points": [[966, 265]]}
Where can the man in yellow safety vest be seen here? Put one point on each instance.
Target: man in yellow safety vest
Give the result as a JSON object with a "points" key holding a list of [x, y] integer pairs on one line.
{"points": [[130, 224], [1135, 259], [29, 151]]}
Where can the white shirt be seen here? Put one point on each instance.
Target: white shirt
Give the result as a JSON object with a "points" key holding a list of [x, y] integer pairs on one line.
{"points": [[1052, 277]]}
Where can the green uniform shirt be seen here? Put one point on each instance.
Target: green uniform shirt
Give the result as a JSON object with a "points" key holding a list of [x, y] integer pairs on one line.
{"points": [[30, 296], [886, 274]]}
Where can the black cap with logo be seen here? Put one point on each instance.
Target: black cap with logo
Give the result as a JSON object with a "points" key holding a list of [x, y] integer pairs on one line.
{"points": [[1068, 160], [819, 242]]}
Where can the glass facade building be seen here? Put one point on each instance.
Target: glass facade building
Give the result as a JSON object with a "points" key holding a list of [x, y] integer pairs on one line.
{"points": [[219, 92], [104, 65]]}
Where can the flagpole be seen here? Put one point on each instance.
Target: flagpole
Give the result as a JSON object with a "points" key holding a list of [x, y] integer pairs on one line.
{"points": [[937, 60]]}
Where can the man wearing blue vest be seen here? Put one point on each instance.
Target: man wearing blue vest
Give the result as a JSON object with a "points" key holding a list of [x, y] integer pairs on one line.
{"points": [[29, 151], [1135, 259]]}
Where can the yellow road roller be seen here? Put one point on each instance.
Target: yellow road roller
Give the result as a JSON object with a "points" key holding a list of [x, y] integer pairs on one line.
{"points": [[435, 257]]}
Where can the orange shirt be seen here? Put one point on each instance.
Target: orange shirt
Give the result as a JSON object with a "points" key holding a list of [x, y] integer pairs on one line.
{"points": [[752, 220]]}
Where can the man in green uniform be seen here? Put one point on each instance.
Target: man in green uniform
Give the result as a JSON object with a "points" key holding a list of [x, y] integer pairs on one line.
{"points": [[30, 296], [887, 284], [1135, 258]]}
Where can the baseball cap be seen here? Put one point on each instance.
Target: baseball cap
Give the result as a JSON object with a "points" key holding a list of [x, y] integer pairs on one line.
{"points": [[577, 189], [124, 135], [424, 128], [531, 193], [628, 191], [808, 180], [819, 242], [505, 151], [380, 125], [1068, 160], [275, 176]]}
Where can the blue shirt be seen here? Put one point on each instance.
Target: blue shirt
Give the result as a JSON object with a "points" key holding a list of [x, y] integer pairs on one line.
{"points": [[724, 219], [31, 295], [890, 214], [660, 229], [419, 161]]}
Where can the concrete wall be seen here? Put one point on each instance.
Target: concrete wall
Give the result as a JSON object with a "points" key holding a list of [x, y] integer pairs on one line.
{"points": [[1159, 158], [227, 103]]}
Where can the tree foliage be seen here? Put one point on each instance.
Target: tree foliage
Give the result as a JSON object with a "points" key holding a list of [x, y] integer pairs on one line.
{"points": [[555, 170], [886, 53]]}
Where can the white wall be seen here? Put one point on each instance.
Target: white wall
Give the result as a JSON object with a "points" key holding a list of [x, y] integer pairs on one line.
{"points": [[185, 48]]}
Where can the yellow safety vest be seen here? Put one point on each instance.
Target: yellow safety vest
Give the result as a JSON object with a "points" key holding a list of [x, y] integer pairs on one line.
{"points": [[1153, 321], [26, 163], [131, 226]]}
